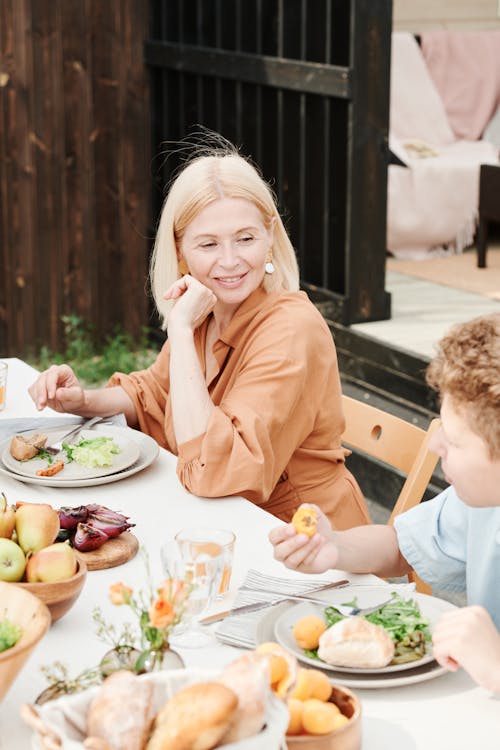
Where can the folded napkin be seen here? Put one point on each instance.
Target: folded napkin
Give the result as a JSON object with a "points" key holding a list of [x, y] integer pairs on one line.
{"points": [[241, 630], [11, 427]]}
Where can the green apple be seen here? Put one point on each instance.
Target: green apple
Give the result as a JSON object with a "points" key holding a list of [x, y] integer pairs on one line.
{"points": [[37, 525], [12, 560], [53, 563]]}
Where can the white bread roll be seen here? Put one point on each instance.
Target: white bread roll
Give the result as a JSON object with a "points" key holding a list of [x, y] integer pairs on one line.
{"points": [[22, 448], [356, 642], [248, 676]]}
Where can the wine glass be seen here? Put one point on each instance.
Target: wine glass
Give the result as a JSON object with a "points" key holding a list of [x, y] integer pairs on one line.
{"points": [[202, 572]]}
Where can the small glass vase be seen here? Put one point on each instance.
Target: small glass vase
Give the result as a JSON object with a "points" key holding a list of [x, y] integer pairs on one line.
{"points": [[160, 659]]}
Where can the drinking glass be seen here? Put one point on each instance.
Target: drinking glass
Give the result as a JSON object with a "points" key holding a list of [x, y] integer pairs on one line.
{"points": [[202, 572], [204, 540], [3, 384]]}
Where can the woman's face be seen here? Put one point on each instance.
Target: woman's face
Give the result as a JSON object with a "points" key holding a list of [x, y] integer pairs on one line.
{"points": [[225, 248]]}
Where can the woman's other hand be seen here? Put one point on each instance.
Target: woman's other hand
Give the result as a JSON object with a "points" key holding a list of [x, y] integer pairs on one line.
{"points": [[193, 303], [468, 638], [59, 388], [308, 554]]}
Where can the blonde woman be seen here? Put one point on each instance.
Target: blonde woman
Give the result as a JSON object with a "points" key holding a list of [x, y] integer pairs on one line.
{"points": [[246, 390]]}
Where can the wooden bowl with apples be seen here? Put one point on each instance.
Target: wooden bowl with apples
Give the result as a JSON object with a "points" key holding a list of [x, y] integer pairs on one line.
{"points": [[26, 611], [32, 559]]}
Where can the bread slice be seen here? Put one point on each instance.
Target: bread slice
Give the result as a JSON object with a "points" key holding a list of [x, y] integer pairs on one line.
{"points": [[356, 642], [22, 448]]}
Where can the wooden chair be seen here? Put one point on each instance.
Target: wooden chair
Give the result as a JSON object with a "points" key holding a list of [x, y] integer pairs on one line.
{"points": [[395, 442]]}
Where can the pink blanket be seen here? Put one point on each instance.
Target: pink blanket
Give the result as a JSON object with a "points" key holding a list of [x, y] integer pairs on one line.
{"points": [[465, 68], [432, 204]]}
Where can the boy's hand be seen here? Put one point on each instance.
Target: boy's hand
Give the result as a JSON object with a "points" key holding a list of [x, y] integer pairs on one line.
{"points": [[468, 638], [299, 552]]}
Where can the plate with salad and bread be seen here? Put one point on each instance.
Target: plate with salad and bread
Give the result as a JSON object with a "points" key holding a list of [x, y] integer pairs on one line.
{"points": [[389, 646]]}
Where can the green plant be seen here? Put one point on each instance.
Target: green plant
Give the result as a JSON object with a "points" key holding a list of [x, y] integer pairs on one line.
{"points": [[94, 361]]}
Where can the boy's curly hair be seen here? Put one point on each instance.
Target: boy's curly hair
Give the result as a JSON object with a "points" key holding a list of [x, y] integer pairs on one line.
{"points": [[467, 368]]}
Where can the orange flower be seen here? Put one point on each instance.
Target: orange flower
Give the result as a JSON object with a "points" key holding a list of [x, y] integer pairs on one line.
{"points": [[119, 593], [161, 613]]}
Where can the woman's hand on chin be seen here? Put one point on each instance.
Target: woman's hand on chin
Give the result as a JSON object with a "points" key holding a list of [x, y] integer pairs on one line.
{"points": [[193, 303]]}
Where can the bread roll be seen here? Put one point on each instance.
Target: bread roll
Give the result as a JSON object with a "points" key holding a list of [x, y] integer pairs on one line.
{"points": [[121, 712], [22, 448], [248, 676], [195, 718], [356, 642]]}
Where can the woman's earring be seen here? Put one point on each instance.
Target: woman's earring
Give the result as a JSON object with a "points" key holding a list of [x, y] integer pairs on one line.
{"points": [[183, 267], [269, 267]]}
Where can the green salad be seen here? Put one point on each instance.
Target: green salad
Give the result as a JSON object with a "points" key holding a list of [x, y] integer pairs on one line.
{"points": [[93, 452], [9, 634], [401, 618]]}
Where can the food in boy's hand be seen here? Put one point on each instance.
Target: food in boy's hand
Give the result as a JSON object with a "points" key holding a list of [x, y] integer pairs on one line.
{"points": [[22, 448], [305, 520], [308, 630], [355, 642]]}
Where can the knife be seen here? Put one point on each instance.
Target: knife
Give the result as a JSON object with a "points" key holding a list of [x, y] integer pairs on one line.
{"points": [[255, 606]]}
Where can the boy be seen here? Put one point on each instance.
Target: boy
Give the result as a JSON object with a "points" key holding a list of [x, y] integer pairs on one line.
{"points": [[452, 541]]}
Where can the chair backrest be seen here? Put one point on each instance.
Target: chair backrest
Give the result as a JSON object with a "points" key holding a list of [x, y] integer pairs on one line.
{"points": [[395, 442]]}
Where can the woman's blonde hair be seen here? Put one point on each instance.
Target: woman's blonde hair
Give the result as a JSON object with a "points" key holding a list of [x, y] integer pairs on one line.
{"points": [[467, 369], [220, 173]]}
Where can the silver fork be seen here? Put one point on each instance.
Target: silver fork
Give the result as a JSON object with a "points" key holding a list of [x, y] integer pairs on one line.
{"points": [[55, 448], [347, 611]]}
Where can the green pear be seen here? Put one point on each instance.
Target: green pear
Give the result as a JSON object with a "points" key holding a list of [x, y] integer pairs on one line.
{"points": [[12, 560], [7, 518], [37, 525]]}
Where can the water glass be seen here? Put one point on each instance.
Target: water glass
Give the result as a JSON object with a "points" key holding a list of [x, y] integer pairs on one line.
{"points": [[203, 540]]}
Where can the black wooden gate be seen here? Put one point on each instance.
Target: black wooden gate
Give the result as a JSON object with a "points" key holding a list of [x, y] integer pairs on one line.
{"points": [[303, 87]]}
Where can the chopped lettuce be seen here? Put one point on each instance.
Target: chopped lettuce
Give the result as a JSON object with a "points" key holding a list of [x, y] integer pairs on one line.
{"points": [[93, 452], [9, 634]]}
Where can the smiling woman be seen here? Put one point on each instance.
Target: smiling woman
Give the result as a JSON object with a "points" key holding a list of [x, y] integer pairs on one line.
{"points": [[246, 390]]}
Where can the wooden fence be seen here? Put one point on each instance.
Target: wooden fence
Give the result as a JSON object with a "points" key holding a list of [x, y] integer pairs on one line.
{"points": [[74, 168]]}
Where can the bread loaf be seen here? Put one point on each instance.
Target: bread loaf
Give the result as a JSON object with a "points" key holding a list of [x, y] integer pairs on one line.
{"points": [[121, 713], [195, 718], [22, 448], [248, 676], [356, 642]]}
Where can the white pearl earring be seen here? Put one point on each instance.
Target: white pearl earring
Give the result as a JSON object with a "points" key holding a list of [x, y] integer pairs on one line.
{"points": [[269, 267]]}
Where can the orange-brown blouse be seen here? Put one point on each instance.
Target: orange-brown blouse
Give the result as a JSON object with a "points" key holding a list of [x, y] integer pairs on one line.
{"points": [[274, 436]]}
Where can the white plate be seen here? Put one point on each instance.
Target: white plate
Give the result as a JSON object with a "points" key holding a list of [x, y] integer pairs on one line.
{"points": [[145, 447], [432, 608]]}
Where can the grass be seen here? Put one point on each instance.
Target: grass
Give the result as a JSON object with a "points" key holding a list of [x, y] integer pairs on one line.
{"points": [[92, 361]]}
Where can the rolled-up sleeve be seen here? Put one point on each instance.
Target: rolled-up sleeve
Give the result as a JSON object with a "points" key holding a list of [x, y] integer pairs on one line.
{"points": [[432, 537]]}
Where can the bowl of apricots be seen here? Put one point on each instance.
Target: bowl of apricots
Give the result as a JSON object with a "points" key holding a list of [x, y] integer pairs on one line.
{"points": [[322, 715]]}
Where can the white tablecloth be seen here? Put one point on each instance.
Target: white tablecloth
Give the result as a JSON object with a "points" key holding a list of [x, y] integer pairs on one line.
{"points": [[448, 713]]}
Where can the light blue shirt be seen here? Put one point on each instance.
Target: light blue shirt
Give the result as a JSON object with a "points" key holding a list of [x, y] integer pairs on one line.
{"points": [[454, 547]]}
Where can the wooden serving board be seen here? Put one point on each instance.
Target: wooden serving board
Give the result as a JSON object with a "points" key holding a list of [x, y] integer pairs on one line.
{"points": [[114, 552]]}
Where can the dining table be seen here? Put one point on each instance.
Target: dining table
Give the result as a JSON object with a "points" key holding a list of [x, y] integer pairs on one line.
{"points": [[449, 712]]}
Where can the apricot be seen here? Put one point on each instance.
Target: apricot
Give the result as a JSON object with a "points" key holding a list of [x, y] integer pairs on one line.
{"points": [[282, 667], [321, 687], [305, 520], [308, 630], [319, 717], [303, 686], [295, 708]]}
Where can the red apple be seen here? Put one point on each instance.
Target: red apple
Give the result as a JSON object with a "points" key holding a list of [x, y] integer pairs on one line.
{"points": [[7, 518], [53, 563], [37, 525], [12, 560]]}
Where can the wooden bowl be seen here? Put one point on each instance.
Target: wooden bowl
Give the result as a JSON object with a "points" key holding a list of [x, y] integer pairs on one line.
{"points": [[59, 596], [32, 615], [347, 737]]}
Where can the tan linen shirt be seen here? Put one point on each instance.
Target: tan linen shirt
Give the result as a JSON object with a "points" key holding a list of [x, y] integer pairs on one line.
{"points": [[274, 436]]}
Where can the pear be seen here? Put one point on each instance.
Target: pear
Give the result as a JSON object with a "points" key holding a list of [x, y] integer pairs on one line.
{"points": [[37, 525], [53, 563], [12, 560], [7, 518]]}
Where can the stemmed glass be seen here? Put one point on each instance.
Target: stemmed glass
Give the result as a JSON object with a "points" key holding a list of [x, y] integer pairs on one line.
{"points": [[181, 559]]}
